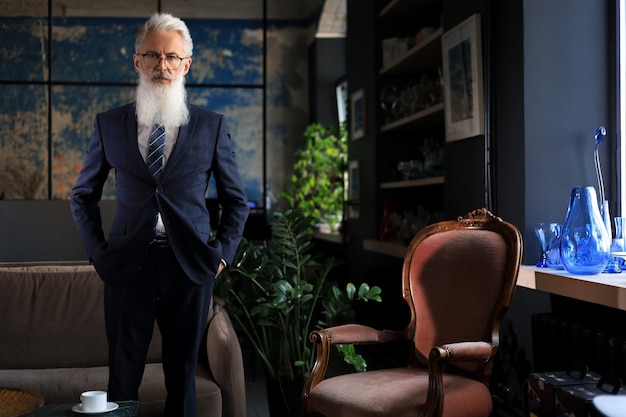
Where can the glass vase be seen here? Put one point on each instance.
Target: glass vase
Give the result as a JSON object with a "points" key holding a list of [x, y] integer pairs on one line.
{"points": [[585, 243]]}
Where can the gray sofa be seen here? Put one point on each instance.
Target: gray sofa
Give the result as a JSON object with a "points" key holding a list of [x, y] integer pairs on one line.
{"points": [[53, 342]]}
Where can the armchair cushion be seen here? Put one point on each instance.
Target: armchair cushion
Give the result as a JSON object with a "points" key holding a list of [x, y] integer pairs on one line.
{"points": [[398, 387]]}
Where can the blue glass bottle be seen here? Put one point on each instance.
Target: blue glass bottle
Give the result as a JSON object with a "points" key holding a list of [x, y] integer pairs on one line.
{"points": [[585, 243]]}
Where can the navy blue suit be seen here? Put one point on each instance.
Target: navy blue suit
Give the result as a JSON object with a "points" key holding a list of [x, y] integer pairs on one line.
{"points": [[138, 292]]}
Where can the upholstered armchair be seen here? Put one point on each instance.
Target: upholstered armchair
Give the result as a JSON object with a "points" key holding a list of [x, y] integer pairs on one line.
{"points": [[458, 280]]}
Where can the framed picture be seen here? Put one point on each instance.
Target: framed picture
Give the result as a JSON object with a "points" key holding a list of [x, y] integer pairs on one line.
{"points": [[463, 80], [341, 94], [357, 114], [354, 189]]}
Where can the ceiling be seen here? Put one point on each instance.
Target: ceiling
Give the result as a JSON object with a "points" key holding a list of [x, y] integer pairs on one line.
{"points": [[226, 9]]}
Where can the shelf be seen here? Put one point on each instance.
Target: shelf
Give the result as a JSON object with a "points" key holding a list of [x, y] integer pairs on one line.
{"points": [[328, 237], [421, 182], [605, 289], [394, 249], [428, 117], [420, 57], [407, 8]]}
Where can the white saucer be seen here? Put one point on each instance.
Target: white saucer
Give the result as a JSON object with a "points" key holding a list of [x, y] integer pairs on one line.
{"points": [[78, 408], [611, 405]]}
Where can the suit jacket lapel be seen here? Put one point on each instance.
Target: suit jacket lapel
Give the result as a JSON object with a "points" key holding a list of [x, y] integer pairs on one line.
{"points": [[184, 136], [130, 141]]}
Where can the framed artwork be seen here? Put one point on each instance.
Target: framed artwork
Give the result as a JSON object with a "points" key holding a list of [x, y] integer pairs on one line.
{"points": [[463, 80], [354, 189], [341, 94], [357, 114]]}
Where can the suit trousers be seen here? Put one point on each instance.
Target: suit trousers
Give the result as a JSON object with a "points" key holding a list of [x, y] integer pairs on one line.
{"points": [[163, 293]]}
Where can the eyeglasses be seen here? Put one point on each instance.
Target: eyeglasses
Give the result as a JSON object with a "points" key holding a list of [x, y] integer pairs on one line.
{"points": [[172, 62]]}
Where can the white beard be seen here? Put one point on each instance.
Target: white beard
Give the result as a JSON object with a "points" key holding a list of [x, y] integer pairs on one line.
{"points": [[161, 103]]}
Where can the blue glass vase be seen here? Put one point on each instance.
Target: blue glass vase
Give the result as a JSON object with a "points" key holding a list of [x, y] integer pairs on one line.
{"points": [[585, 243]]}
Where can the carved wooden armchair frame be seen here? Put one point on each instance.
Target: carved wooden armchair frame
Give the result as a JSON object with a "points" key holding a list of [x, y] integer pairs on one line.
{"points": [[470, 358]]}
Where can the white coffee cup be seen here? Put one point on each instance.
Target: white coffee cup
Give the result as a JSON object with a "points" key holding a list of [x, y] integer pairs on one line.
{"points": [[93, 401]]}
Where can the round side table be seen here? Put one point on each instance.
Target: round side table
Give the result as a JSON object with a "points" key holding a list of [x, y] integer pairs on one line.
{"points": [[16, 402]]}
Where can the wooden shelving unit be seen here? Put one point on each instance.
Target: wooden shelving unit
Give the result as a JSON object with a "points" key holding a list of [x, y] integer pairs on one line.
{"points": [[423, 119], [406, 8], [407, 137], [422, 182], [418, 58]]}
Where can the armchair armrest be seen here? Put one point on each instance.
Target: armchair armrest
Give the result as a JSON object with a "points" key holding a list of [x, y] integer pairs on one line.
{"points": [[463, 352], [226, 362], [356, 334], [345, 334], [451, 353]]}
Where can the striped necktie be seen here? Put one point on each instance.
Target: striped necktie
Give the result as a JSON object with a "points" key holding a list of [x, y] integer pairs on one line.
{"points": [[155, 151]]}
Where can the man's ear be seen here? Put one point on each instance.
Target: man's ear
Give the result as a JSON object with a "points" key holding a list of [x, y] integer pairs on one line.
{"points": [[136, 62], [187, 66]]}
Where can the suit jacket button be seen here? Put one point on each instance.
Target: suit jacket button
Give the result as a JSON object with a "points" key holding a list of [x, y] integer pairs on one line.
{"points": [[159, 189]]}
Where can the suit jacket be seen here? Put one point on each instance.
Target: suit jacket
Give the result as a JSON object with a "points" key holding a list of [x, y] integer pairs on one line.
{"points": [[203, 148]]}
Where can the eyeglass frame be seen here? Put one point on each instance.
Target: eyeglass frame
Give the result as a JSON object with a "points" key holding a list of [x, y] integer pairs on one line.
{"points": [[180, 63]]}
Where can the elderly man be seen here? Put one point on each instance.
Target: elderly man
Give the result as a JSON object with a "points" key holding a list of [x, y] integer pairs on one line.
{"points": [[159, 260]]}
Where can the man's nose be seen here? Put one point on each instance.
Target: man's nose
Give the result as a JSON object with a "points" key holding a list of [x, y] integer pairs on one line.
{"points": [[161, 65]]}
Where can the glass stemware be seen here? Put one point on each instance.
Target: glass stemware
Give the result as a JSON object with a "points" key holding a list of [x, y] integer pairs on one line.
{"points": [[546, 233], [553, 253], [616, 263]]}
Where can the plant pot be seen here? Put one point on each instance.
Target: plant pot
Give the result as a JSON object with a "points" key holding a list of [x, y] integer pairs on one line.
{"points": [[284, 398]]}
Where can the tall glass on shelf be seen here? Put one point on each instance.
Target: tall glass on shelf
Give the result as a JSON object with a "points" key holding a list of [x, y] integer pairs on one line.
{"points": [[553, 253], [545, 233], [613, 266], [618, 243]]}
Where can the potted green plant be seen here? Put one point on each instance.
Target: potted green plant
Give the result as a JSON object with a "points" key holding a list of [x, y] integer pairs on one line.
{"points": [[317, 183], [277, 293]]}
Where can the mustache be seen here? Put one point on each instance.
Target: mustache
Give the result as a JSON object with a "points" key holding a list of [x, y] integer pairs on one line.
{"points": [[159, 74]]}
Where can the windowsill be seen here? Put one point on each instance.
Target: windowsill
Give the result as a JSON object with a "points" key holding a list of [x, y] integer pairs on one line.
{"points": [[604, 289]]}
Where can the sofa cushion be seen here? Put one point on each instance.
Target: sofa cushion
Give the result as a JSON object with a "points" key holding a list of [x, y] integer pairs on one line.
{"points": [[53, 316], [64, 385]]}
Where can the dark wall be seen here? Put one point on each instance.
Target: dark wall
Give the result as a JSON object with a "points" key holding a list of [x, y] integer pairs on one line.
{"points": [[546, 92], [327, 63], [505, 71], [361, 69], [466, 160], [566, 97]]}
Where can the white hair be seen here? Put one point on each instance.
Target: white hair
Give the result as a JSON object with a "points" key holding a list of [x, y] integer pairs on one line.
{"points": [[165, 22]]}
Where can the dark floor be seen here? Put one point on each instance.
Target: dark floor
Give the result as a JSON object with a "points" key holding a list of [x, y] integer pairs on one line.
{"points": [[256, 396]]}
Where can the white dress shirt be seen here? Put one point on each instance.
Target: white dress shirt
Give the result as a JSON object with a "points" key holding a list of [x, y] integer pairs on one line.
{"points": [[143, 137]]}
